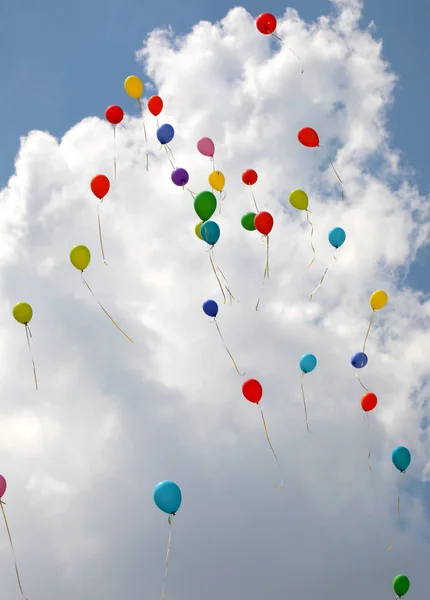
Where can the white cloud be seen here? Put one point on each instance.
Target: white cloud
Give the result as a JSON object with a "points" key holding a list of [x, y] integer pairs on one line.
{"points": [[111, 419]]}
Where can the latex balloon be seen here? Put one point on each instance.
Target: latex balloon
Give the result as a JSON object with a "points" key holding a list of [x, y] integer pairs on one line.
{"points": [[266, 23], [252, 390], [369, 401], [114, 114], [100, 186], [378, 299], [205, 205], [197, 230], [217, 181], [155, 105], [80, 257], [263, 222], [210, 308], [299, 199], [3, 486], [308, 362], [308, 137], [248, 221], [401, 585], [359, 360], [22, 313], [165, 133], [401, 458], [249, 177], [336, 237], [180, 177], [206, 147], [168, 497], [210, 232], [133, 86]]}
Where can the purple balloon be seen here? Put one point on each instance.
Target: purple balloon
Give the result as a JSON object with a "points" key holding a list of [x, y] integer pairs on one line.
{"points": [[180, 177], [206, 147]]}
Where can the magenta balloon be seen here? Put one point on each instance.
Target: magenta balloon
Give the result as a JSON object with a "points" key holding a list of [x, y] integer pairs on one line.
{"points": [[206, 147], [3, 486]]}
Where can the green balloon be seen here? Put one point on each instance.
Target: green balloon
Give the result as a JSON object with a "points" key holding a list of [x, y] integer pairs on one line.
{"points": [[400, 585], [248, 221], [205, 205]]}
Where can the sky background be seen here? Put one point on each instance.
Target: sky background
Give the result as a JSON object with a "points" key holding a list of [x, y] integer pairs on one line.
{"points": [[110, 420]]}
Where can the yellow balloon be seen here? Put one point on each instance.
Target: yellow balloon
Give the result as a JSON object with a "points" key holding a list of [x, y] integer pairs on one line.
{"points": [[299, 199], [133, 86], [217, 181], [22, 312], [378, 299], [197, 230], [80, 257]]}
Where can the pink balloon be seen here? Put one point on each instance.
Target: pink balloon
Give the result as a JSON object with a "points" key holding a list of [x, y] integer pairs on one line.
{"points": [[206, 147], [3, 486]]}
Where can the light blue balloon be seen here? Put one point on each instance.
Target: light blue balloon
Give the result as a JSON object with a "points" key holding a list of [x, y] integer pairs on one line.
{"points": [[168, 497], [401, 458], [336, 237], [210, 232], [308, 362]]}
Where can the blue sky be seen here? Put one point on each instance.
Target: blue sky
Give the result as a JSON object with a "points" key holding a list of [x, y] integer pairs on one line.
{"points": [[62, 62]]}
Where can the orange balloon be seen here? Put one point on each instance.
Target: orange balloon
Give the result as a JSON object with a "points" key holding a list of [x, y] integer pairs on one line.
{"points": [[369, 401], [100, 185]]}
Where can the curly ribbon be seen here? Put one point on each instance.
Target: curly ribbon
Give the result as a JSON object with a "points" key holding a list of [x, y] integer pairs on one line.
{"points": [[398, 512], [144, 131], [266, 274], [169, 539], [100, 232], [290, 49], [368, 332], [279, 485], [13, 550], [228, 351], [28, 336], [104, 310], [323, 277], [304, 405], [334, 170], [308, 212]]}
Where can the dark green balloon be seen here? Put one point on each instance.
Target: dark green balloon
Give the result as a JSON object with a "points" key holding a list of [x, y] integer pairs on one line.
{"points": [[248, 221], [205, 205], [400, 585]]}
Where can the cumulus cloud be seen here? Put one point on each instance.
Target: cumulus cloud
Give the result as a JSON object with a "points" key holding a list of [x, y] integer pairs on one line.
{"points": [[111, 419]]}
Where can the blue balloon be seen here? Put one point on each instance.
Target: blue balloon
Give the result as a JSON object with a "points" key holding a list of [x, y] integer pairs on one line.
{"points": [[168, 497], [336, 237], [359, 360], [210, 232], [210, 307], [401, 458], [165, 133], [308, 362]]}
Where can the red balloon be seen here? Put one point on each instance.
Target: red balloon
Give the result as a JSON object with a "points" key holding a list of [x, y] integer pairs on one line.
{"points": [[308, 137], [263, 222], [369, 401], [252, 390], [100, 185], [155, 105], [114, 114], [266, 23], [249, 177]]}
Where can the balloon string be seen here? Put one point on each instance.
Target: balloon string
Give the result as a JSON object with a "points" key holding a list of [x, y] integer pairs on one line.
{"points": [[114, 150], [397, 524], [279, 485], [228, 351], [312, 235], [156, 120], [366, 416], [323, 277], [334, 170], [266, 274], [216, 275], [368, 331], [100, 233], [13, 550], [170, 155], [28, 335], [304, 406], [291, 50], [226, 284], [193, 194], [359, 380], [104, 310], [212, 158], [255, 201], [169, 539], [222, 197], [144, 132]]}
